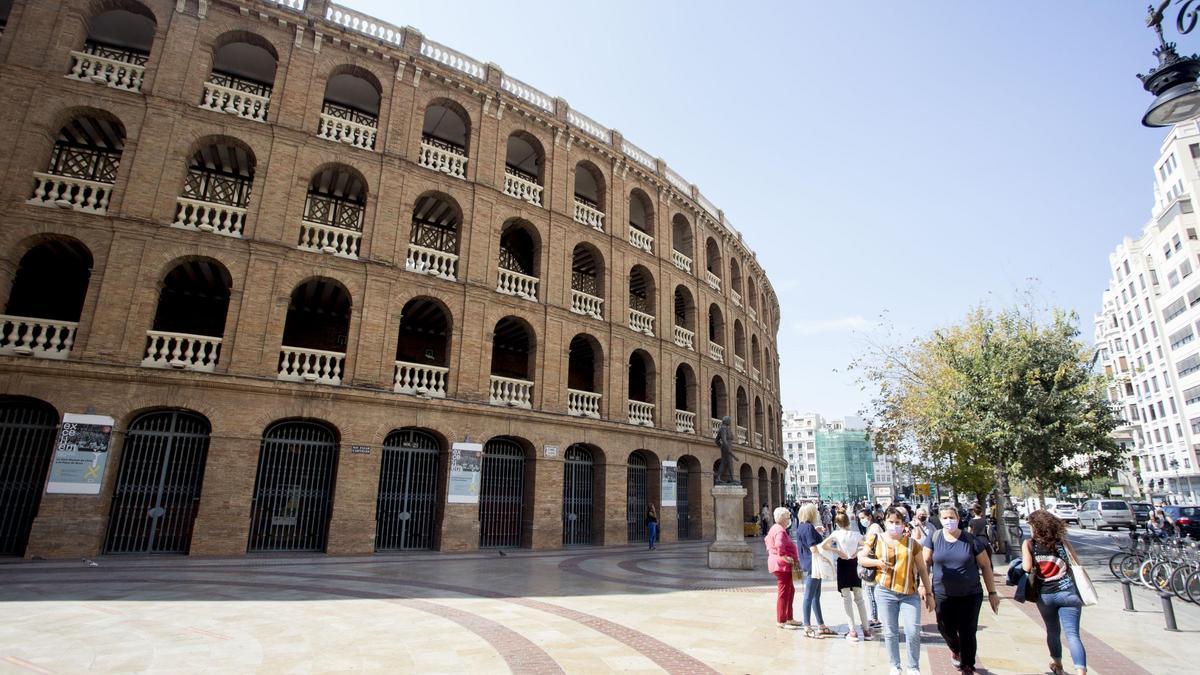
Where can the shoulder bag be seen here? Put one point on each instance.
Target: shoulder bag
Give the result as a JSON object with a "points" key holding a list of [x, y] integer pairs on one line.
{"points": [[1083, 582], [868, 574]]}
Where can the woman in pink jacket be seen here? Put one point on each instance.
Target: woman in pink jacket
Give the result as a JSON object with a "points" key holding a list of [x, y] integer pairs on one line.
{"points": [[781, 559]]}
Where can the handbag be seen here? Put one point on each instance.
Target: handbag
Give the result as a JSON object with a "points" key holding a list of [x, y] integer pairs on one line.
{"points": [[868, 574], [823, 567], [1083, 582]]}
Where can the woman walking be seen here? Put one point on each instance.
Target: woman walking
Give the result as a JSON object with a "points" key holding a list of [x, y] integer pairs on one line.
{"points": [[1046, 556], [781, 558], [901, 565], [845, 542], [651, 527], [957, 560], [979, 526], [868, 526], [807, 541]]}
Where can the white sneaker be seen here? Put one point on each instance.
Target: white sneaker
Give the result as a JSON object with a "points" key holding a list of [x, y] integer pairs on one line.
{"points": [[894, 671], [914, 671]]}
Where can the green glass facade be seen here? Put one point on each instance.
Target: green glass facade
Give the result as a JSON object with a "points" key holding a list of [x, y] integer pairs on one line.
{"points": [[845, 464]]}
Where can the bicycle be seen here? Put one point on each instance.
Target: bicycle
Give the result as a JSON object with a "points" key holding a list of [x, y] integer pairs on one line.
{"points": [[1124, 563]]}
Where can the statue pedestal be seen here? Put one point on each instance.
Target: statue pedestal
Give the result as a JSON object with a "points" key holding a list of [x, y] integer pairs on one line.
{"points": [[729, 551]]}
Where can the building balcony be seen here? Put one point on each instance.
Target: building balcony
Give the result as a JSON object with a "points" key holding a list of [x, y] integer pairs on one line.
{"points": [[684, 338], [442, 157], [641, 322], [753, 313], [43, 338], [586, 214], [434, 263], [587, 304], [758, 439], [510, 392], [234, 96], [117, 68], [716, 352], [203, 216], [522, 187], [66, 192], [321, 238], [685, 421], [641, 413], [420, 380], [739, 363], [712, 280], [755, 374], [311, 365], [641, 240], [181, 351], [681, 261], [515, 283], [742, 434], [735, 297], [346, 125], [714, 425], [583, 404]]}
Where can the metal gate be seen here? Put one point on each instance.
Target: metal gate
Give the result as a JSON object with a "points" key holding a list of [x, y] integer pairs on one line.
{"points": [[408, 487], [635, 497], [27, 430], [502, 494], [681, 503], [578, 471], [293, 492], [158, 490]]}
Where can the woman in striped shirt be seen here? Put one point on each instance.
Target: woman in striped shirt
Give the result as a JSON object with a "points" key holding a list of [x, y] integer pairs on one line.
{"points": [[900, 565]]}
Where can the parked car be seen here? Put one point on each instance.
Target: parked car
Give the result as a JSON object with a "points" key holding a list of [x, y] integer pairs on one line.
{"points": [[1141, 512], [1066, 511], [1102, 513], [1186, 518]]}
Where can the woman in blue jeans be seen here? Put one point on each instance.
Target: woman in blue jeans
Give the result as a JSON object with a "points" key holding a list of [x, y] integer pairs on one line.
{"points": [[1045, 556], [808, 537], [902, 587]]}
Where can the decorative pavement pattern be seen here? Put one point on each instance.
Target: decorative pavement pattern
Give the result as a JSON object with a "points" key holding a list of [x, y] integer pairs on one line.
{"points": [[576, 611]]}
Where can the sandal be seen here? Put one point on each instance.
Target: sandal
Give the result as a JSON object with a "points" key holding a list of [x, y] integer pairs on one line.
{"points": [[1057, 669], [786, 626], [810, 632], [826, 630]]}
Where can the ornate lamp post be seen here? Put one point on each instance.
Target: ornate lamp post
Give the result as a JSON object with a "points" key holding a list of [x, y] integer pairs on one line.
{"points": [[1173, 80]]}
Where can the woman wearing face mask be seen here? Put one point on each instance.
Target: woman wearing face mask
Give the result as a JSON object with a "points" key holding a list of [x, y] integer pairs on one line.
{"points": [[867, 527], [901, 566], [958, 559]]}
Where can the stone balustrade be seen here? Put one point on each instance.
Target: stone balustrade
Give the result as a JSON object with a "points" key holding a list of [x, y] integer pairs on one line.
{"points": [[311, 365], [515, 283], [716, 352], [192, 214], [510, 392], [641, 413], [755, 374], [641, 322], [684, 338], [231, 101], [586, 214], [587, 304], [432, 262], [735, 298], [641, 240], [346, 131], [742, 434], [64, 192], [43, 338], [420, 379], [583, 403], [523, 189], [712, 280], [681, 261], [442, 159], [182, 351], [320, 238], [739, 363], [758, 439], [714, 425], [753, 313], [685, 421], [107, 71]]}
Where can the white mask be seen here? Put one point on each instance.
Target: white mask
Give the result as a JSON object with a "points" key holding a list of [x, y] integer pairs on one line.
{"points": [[864, 522], [950, 524]]}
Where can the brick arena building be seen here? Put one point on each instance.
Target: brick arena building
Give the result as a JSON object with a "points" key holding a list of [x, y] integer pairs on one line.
{"points": [[296, 253]]}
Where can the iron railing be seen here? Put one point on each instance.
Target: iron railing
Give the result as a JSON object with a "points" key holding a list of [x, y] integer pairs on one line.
{"points": [[502, 495], [27, 431], [408, 491], [87, 163], [635, 498], [293, 491], [334, 212], [578, 474]]}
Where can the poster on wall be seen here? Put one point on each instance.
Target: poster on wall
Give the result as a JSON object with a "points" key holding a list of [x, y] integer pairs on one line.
{"points": [[670, 480], [80, 455], [466, 465]]}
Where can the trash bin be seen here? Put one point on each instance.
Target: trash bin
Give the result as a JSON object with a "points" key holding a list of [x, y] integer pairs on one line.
{"points": [[1012, 525]]}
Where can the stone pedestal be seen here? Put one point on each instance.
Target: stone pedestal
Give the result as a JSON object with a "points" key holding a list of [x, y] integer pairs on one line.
{"points": [[729, 551]]}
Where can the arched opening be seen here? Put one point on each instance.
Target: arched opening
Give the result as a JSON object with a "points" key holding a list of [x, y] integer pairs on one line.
{"points": [[293, 488], [589, 195], [216, 190], [407, 510], [641, 221], [333, 212], [433, 242], [579, 496], [518, 267], [116, 48], [742, 416], [739, 346], [315, 333], [713, 264], [716, 333], [189, 323], [643, 477], [587, 281], [5, 10], [718, 403], [681, 243], [735, 281], [752, 298], [27, 433], [422, 349], [46, 299], [350, 109], [641, 389], [684, 330], [523, 161], [688, 512], [585, 367], [506, 487], [760, 422], [158, 489], [776, 493], [83, 165], [445, 135], [641, 301], [749, 512], [764, 489], [242, 77], [685, 399], [755, 359], [512, 363]]}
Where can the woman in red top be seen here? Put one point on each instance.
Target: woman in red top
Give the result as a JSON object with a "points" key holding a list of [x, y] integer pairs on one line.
{"points": [[781, 559]]}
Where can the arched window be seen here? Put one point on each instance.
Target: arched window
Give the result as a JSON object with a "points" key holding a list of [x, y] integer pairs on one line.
{"points": [[764, 488], [587, 281], [333, 212], [685, 399], [445, 135], [760, 422], [189, 323], [718, 402], [755, 359], [513, 355], [518, 273], [743, 416], [243, 75], [589, 195], [585, 369], [293, 491], [735, 282], [116, 48], [641, 389], [523, 162], [712, 264], [433, 242], [422, 349], [216, 190], [739, 346], [46, 299], [641, 221], [685, 318], [83, 165], [350, 110], [641, 301], [316, 333], [681, 243], [751, 298], [716, 333]]}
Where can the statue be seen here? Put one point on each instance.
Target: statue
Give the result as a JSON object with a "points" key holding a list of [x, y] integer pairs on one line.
{"points": [[725, 443], [1155, 18]]}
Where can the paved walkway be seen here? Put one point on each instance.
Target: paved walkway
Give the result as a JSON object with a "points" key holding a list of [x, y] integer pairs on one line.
{"points": [[578, 611]]}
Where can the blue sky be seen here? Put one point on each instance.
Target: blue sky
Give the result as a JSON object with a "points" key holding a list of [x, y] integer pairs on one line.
{"points": [[907, 158]]}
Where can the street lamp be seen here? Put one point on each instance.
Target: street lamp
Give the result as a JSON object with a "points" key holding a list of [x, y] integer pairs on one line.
{"points": [[1175, 467], [1173, 80]]}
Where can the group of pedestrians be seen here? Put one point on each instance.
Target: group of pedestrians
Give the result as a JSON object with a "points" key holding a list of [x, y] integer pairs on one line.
{"points": [[895, 561]]}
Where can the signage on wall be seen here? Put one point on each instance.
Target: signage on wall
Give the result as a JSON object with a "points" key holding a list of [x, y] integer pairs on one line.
{"points": [[670, 481], [80, 455], [360, 449], [466, 464], [550, 451]]}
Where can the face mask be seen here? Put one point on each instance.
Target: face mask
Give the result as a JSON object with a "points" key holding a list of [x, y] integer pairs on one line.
{"points": [[895, 530], [921, 519], [864, 522], [950, 525]]}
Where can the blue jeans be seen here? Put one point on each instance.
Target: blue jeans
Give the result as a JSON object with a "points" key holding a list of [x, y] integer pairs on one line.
{"points": [[895, 608], [811, 604], [652, 535], [1061, 613], [869, 591]]}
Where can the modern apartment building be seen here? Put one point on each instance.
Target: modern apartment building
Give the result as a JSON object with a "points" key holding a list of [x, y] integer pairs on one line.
{"points": [[800, 452], [845, 460]]}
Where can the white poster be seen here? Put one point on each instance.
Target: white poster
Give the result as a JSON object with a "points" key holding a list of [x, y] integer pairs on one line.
{"points": [[670, 481], [466, 466], [80, 455]]}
